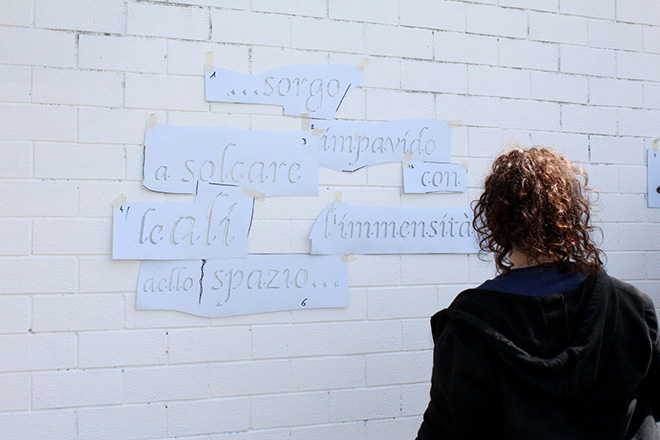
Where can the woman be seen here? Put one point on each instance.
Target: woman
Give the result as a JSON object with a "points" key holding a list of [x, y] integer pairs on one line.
{"points": [[553, 347]]}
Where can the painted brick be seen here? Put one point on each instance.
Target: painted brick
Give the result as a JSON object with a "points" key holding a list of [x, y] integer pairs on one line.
{"points": [[354, 106], [588, 61], [613, 35], [399, 41], [190, 23], [16, 160], [414, 399], [107, 349], [573, 146], [375, 270], [357, 310], [615, 92], [16, 83], [317, 34], [641, 11], [187, 58], [651, 37], [166, 383], [429, 76], [465, 48], [126, 54], [328, 432], [104, 275], [639, 237], [538, 5], [491, 142], [617, 150], [165, 92], [472, 110], [448, 16], [583, 119], [208, 344], [15, 237], [246, 28], [63, 389], [38, 122], [310, 374], [557, 28], [309, 8], [530, 115], [72, 237], [58, 86], [98, 16], [364, 337], [638, 122], [17, 13], [558, 87], [492, 20], [397, 302], [290, 409], [405, 427], [495, 81], [38, 275], [132, 422], [399, 368], [77, 312], [230, 4], [76, 161], [33, 425], [528, 54], [282, 208], [250, 378], [139, 319], [277, 341], [270, 237], [385, 174], [14, 314], [603, 177], [382, 72], [387, 11], [644, 66], [416, 334], [627, 266], [115, 126], [432, 269], [632, 179], [16, 391], [385, 105], [52, 351], [594, 8], [96, 197], [37, 48], [363, 404], [260, 434], [268, 58], [622, 208], [200, 417]]}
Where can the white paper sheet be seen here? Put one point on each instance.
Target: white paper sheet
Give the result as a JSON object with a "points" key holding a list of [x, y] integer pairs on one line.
{"points": [[215, 225], [256, 284], [343, 229], [434, 177], [275, 162], [348, 145], [316, 90], [653, 164]]}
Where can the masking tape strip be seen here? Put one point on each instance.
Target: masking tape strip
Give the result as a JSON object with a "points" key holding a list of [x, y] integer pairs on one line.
{"points": [[455, 123], [317, 132], [119, 201], [151, 123], [407, 159], [656, 148], [208, 63], [305, 121], [465, 164], [338, 196], [363, 65], [348, 258], [258, 195]]}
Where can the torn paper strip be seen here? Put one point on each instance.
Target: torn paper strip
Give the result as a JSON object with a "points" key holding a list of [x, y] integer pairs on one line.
{"points": [[434, 177], [348, 145], [215, 225], [343, 229], [315, 90], [274, 163], [256, 284]]}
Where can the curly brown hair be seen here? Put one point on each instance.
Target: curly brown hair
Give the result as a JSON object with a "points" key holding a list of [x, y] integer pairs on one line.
{"points": [[534, 201]]}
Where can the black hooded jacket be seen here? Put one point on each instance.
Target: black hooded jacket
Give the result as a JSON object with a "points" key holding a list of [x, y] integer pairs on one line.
{"points": [[583, 364]]}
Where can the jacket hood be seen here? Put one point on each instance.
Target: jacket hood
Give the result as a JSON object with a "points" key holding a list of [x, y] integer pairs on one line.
{"points": [[565, 339]]}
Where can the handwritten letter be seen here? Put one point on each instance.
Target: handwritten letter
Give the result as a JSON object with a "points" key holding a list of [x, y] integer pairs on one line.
{"points": [[215, 225], [316, 90], [342, 229], [275, 163], [256, 284]]}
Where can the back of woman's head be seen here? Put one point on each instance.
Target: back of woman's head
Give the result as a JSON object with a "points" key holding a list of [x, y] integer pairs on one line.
{"points": [[535, 201]]}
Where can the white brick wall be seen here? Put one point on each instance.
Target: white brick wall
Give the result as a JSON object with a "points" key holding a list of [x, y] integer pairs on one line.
{"points": [[78, 81]]}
